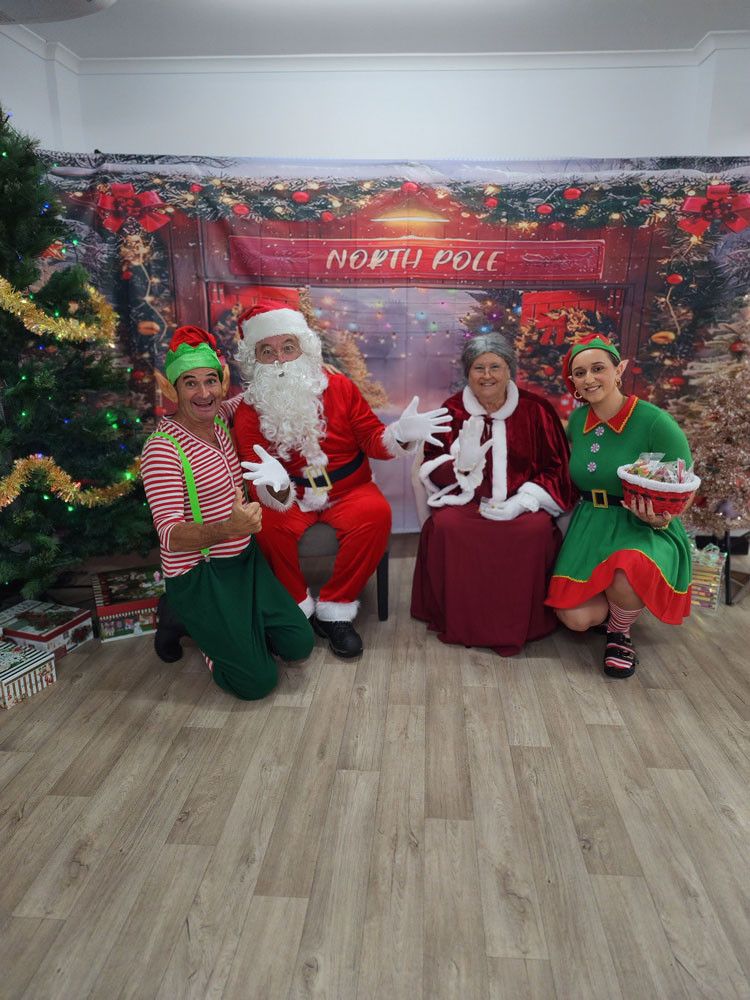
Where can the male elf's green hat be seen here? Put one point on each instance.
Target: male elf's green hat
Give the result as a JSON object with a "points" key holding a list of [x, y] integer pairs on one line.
{"points": [[589, 342], [191, 348]]}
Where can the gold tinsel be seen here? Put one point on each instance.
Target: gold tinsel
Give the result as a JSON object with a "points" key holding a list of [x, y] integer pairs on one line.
{"points": [[40, 323], [62, 484]]}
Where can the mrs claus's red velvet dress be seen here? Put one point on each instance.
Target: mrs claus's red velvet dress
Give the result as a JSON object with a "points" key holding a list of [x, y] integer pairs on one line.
{"points": [[482, 582]]}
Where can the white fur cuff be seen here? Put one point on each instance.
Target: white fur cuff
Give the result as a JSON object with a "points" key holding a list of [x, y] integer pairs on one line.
{"points": [[337, 611], [307, 607], [542, 497], [394, 447], [270, 501]]}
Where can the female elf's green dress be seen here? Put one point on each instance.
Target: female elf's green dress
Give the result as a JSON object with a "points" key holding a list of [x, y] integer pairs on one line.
{"points": [[603, 536]]}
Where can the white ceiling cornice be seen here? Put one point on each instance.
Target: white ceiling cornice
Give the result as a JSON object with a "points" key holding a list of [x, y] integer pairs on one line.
{"points": [[49, 51], [712, 42]]}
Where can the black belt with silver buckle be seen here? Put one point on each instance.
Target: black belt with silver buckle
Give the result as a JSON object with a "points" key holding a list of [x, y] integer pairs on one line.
{"points": [[600, 498], [333, 475]]}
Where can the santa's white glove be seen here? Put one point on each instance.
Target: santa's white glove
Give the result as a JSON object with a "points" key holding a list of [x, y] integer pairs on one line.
{"points": [[268, 472], [470, 452], [413, 426], [506, 510]]}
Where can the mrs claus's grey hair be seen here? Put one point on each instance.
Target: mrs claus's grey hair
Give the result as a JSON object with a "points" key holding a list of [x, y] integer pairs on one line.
{"points": [[488, 343]]}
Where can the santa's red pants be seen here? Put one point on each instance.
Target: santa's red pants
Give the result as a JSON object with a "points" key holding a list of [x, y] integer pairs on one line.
{"points": [[362, 521]]}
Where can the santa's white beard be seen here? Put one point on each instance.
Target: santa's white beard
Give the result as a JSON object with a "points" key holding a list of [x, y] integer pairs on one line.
{"points": [[288, 400]]}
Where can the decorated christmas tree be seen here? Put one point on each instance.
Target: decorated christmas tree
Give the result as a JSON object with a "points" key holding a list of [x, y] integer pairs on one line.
{"points": [[69, 483], [718, 429]]}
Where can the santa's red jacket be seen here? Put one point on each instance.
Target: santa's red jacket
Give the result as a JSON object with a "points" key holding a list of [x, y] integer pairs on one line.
{"points": [[351, 428]]}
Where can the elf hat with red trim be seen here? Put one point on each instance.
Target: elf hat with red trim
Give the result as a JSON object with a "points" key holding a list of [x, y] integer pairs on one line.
{"points": [[589, 342]]}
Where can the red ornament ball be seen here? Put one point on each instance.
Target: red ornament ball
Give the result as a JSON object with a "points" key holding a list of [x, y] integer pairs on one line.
{"points": [[548, 369], [674, 279], [159, 411], [637, 370], [572, 193], [195, 188], [127, 275], [544, 209], [644, 201], [409, 187], [137, 375], [240, 209], [738, 347], [300, 197], [490, 202], [557, 226], [677, 380], [327, 216]]}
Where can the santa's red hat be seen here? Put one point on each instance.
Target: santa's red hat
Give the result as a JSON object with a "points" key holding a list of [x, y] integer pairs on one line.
{"points": [[272, 318]]}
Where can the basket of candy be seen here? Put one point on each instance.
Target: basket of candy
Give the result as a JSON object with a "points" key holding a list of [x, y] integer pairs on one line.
{"points": [[668, 485]]}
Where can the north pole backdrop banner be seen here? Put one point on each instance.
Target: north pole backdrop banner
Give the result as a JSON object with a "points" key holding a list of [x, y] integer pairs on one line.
{"points": [[398, 263]]}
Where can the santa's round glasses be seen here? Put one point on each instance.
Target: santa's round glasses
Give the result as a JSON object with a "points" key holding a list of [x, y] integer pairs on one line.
{"points": [[267, 354]]}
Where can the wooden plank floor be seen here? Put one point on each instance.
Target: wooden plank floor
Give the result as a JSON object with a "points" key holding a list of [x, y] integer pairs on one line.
{"points": [[426, 822]]}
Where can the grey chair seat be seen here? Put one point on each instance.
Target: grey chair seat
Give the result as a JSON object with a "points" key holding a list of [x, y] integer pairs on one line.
{"points": [[320, 540]]}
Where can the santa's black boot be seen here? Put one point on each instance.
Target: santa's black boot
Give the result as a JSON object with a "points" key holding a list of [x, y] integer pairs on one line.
{"points": [[169, 631]]}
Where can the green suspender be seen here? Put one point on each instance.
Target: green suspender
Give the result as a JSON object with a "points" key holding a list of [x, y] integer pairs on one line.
{"points": [[195, 507]]}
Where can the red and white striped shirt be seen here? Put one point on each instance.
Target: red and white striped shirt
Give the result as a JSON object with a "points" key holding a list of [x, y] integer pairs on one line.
{"points": [[217, 473]]}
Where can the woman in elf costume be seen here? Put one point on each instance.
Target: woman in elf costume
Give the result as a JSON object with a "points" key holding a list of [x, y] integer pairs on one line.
{"points": [[616, 560], [217, 581]]}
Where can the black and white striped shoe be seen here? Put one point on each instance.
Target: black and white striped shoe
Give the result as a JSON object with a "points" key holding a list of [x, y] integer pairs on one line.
{"points": [[619, 656]]}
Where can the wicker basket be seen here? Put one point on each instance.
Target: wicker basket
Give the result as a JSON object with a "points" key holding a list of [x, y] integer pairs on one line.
{"points": [[670, 498]]}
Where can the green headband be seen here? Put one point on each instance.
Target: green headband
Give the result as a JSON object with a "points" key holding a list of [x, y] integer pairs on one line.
{"points": [[187, 357], [596, 343]]}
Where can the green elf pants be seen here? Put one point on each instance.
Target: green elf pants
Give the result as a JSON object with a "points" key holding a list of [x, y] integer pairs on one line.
{"points": [[229, 607]]}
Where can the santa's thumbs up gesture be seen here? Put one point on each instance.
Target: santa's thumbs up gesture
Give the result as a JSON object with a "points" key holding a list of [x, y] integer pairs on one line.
{"points": [[268, 472], [414, 426]]}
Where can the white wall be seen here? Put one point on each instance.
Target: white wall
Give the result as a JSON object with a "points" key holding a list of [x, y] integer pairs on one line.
{"points": [[40, 85], [401, 107], [428, 114]]}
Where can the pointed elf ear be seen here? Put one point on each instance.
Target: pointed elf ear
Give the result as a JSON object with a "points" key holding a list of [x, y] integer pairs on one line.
{"points": [[166, 387], [225, 380]]}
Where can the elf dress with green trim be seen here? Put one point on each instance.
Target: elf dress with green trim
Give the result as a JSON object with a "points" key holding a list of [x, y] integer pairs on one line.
{"points": [[601, 539]]}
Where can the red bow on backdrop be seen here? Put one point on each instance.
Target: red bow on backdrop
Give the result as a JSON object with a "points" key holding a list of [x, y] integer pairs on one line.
{"points": [[123, 203], [720, 204]]}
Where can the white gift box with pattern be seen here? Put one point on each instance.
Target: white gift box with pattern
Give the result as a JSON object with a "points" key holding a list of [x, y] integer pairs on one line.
{"points": [[24, 672]]}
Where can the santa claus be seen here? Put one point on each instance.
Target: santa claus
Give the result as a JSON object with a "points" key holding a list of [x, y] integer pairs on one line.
{"points": [[305, 436]]}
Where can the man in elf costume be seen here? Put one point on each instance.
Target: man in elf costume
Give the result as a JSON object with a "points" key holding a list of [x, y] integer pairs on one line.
{"points": [[218, 584], [305, 437]]}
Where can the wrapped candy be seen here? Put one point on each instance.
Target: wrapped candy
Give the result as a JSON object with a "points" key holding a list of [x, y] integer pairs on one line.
{"points": [[668, 485]]}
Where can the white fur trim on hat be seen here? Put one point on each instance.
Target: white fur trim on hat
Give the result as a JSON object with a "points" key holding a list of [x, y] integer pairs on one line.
{"points": [[281, 322]]}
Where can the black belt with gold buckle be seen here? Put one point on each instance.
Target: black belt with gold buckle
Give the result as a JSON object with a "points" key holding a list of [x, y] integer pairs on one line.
{"points": [[600, 498], [330, 476]]}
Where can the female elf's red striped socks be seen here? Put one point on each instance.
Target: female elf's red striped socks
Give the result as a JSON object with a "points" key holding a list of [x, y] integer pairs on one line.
{"points": [[619, 656]]}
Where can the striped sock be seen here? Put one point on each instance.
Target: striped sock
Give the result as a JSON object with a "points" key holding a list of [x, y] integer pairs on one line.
{"points": [[620, 620]]}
